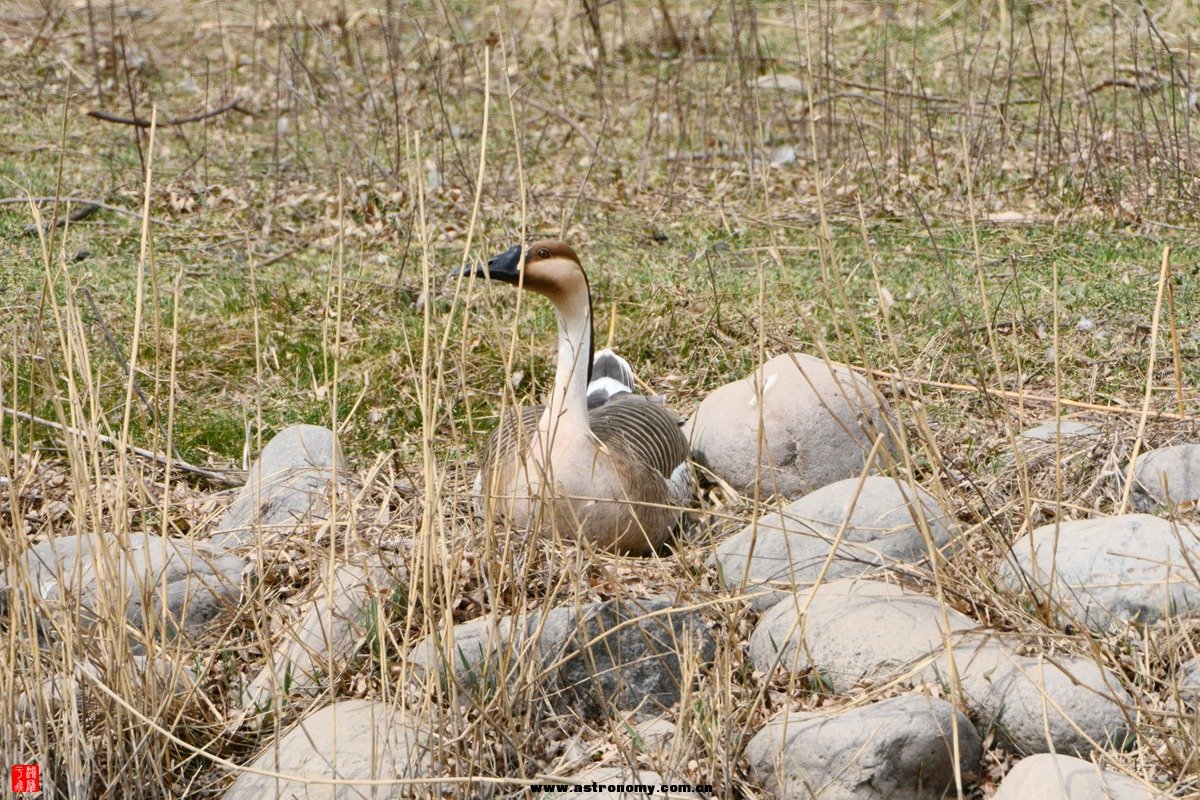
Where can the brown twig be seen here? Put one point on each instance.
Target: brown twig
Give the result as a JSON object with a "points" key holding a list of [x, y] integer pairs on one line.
{"points": [[81, 213], [5, 201], [125, 212], [217, 477], [232, 105]]}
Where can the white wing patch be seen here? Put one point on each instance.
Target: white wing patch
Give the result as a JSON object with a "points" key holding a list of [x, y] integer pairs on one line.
{"points": [[766, 387], [610, 387]]}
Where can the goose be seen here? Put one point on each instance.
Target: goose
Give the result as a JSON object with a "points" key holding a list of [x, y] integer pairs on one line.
{"points": [[615, 474]]}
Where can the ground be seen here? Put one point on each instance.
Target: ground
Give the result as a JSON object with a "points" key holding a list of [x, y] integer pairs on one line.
{"points": [[991, 211]]}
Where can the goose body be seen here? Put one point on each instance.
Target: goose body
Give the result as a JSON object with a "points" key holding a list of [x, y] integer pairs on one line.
{"points": [[614, 474]]}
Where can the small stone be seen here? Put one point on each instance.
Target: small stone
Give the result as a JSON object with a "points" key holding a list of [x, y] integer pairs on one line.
{"points": [[287, 487], [58, 693], [786, 551], [351, 739], [899, 747], [1106, 571], [784, 83], [1168, 475], [1007, 217], [433, 175], [782, 156], [1056, 777], [655, 736], [818, 425], [1066, 429], [480, 653], [852, 630], [1188, 680]]}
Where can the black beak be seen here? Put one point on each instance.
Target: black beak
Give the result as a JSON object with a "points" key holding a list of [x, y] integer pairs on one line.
{"points": [[505, 267]]}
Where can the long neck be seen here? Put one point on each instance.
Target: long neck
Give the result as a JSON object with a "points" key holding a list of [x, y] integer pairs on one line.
{"points": [[568, 398]]}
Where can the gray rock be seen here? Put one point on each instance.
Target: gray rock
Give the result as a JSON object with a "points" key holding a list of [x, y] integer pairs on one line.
{"points": [[782, 552], [60, 694], [653, 737], [1053, 777], [1025, 696], [1067, 429], [330, 629], [351, 739], [1167, 476], [853, 630], [616, 655], [287, 486], [1188, 679], [900, 747], [784, 83], [1108, 571], [491, 650], [818, 427], [619, 783], [184, 584]]}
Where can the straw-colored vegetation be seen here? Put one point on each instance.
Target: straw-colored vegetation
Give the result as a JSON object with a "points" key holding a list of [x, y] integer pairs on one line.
{"points": [[970, 203]]}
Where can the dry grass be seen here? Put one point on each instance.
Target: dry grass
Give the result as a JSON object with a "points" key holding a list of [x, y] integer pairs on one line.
{"points": [[937, 195]]}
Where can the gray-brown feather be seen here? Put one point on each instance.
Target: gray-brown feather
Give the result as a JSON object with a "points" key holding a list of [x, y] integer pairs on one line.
{"points": [[643, 430], [504, 444]]}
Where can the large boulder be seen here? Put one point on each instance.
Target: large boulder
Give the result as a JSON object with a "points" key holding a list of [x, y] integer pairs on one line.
{"points": [[818, 421], [853, 630], [1054, 777], [1101, 572], [1035, 703], [900, 747], [350, 740], [1167, 476], [590, 660], [159, 586], [782, 552], [288, 486]]}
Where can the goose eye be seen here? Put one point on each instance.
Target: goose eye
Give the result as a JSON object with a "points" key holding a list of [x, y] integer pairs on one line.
{"points": [[543, 253]]}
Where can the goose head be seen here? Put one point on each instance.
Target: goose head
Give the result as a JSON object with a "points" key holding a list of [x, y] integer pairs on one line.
{"points": [[548, 267]]}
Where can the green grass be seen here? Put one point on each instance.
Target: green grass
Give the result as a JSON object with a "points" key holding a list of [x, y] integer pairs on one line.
{"points": [[680, 303]]}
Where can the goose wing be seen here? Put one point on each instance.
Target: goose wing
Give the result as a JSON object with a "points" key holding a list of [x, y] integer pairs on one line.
{"points": [[504, 444], [647, 432]]}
